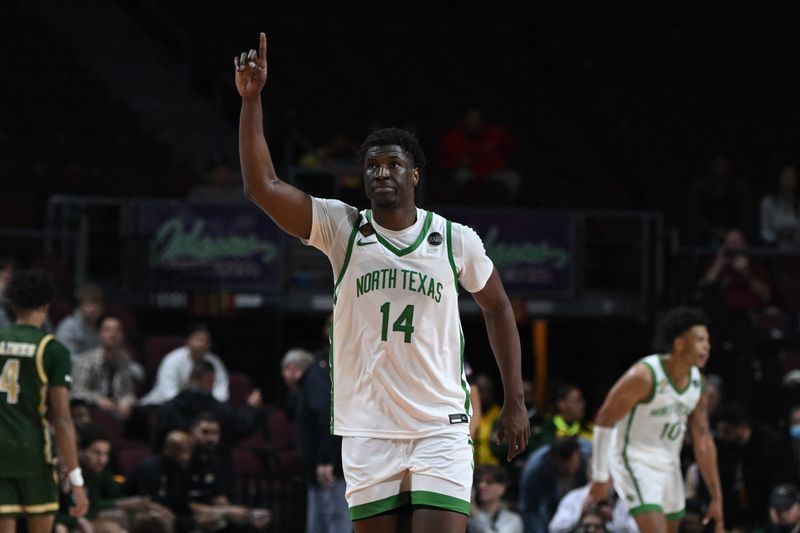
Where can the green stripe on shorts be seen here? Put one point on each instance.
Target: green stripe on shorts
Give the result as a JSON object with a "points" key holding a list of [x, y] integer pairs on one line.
{"points": [[646, 508], [676, 515], [366, 510], [434, 499]]}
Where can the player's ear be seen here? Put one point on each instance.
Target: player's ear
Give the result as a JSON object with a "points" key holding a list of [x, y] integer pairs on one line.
{"points": [[415, 176]]}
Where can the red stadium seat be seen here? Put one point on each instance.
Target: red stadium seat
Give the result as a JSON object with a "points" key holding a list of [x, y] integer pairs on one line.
{"points": [[129, 455], [155, 348], [240, 386]]}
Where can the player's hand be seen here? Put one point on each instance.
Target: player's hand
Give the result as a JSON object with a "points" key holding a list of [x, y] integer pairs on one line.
{"points": [[715, 513], [81, 504], [515, 427], [598, 492], [251, 69]]}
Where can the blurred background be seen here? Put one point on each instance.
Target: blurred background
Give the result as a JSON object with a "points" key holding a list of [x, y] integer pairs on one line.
{"points": [[613, 170]]}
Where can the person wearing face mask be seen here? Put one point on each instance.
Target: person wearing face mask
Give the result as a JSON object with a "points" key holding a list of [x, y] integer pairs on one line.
{"points": [[794, 433]]}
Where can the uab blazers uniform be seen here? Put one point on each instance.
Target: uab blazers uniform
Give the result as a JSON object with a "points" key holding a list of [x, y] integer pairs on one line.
{"points": [[399, 393], [30, 362], [646, 444]]}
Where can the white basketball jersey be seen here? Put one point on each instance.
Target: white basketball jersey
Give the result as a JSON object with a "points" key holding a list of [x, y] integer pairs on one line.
{"points": [[653, 431], [397, 348]]}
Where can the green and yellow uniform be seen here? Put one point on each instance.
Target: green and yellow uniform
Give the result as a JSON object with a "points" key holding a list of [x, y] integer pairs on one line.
{"points": [[31, 361]]}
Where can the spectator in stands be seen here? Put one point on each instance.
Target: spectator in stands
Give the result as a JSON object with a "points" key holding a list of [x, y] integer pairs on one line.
{"points": [[692, 521], [475, 153], [575, 502], [6, 270], [752, 458], [81, 414], [326, 508], [489, 512], [209, 494], [779, 214], [550, 473], [103, 376], [568, 420], [222, 184], [173, 372], [784, 509], [593, 520], [79, 331], [742, 281], [536, 420], [197, 398], [490, 412], [106, 497], [339, 151], [165, 478], [794, 433], [718, 202]]}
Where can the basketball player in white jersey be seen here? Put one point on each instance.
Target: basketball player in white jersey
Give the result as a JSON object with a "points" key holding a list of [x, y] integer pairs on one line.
{"points": [[639, 429], [399, 393]]}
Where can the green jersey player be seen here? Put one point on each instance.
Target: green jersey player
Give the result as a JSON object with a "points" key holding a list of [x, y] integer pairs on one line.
{"points": [[34, 383]]}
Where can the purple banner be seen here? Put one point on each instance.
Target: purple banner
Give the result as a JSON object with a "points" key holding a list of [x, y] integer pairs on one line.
{"points": [[534, 253], [197, 246]]}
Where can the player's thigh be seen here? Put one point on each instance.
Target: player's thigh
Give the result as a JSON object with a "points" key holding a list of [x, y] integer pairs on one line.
{"points": [[430, 520], [384, 523], [441, 473], [652, 522], [8, 524], [40, 524]]}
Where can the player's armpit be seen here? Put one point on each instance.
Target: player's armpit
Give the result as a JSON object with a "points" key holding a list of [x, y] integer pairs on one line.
{"points": [[635, 386]]}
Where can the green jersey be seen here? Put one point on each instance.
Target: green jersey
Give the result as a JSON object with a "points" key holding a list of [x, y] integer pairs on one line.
{"points": [[30, 362]]}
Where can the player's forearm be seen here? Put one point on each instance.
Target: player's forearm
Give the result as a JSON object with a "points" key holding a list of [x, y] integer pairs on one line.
{"points": [[705, 451], [65, 442], [256, 161], [501, 327]]}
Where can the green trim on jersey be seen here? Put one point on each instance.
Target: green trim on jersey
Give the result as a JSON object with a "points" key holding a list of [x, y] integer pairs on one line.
{"points": [[345, 263], [413, 246], [347, 255], [464, 384], [450, 256], [646, 508], [688, 383], [653, 388], [366, 510], [625, 457]]}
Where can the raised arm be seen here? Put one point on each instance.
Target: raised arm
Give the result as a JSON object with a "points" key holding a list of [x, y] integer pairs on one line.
{"points": [[501, 327], [634, 386], [705, 452], [288, 206]]}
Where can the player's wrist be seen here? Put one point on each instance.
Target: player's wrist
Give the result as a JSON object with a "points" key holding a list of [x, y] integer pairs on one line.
{"points": [[75, 477]]}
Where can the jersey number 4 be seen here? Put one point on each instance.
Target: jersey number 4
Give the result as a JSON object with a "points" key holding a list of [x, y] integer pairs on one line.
{"points": [[403, 324], [9, 380]]}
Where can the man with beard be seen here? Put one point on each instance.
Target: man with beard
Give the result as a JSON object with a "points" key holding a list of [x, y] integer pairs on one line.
{"points": [[209, 481]]}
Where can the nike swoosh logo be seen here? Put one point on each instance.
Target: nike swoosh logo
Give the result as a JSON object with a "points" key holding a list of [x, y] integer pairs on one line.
{"points": [[362, 243]]}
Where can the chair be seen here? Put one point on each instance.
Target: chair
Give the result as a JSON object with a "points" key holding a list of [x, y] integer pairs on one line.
{"points": [[239, 386], [129, 455], [156, 347], [108, 422]]}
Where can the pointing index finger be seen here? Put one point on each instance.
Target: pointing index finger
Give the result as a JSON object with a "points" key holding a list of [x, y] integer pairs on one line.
{"points": [[262, 46]]}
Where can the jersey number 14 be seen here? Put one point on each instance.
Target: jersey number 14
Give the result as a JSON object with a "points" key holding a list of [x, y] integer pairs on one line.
{"points": [[404, 323]]}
